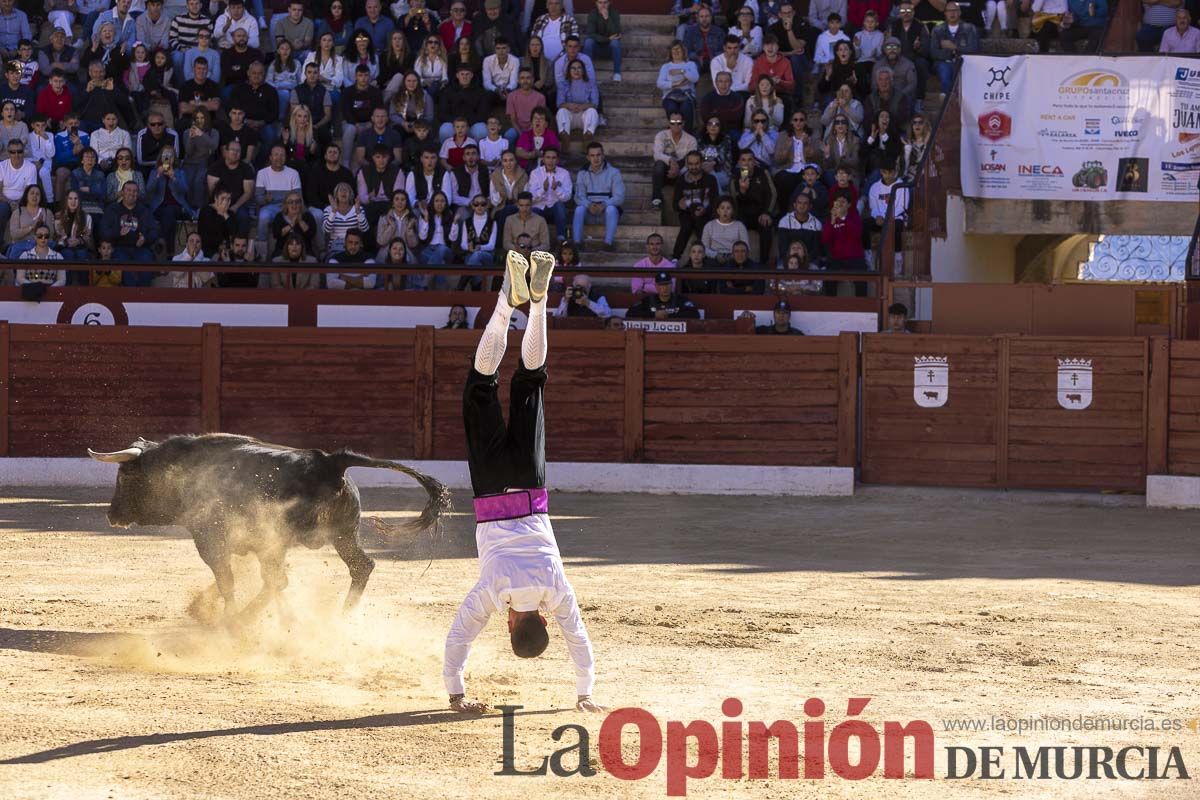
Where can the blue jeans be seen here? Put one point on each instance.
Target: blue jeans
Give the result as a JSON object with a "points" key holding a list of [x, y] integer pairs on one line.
{"points": [[477, 131], [266, 215], [611, 47], [945, 71], [1148, 38], [480, 258], [437, 255], [612, 216], [556, 215]]}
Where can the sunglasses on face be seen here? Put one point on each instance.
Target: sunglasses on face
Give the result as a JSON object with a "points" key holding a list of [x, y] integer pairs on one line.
{"points": [[676, 122]]}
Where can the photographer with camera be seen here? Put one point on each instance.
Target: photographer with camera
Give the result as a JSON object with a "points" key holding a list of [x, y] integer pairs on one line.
{"points": [[581, 299]]}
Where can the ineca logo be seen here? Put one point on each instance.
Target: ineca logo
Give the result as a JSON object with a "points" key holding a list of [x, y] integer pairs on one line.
{"points": [[995, 125], [1040, 169]]}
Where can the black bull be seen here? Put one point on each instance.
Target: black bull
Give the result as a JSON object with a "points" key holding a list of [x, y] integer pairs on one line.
{"points": [[237, 495]]}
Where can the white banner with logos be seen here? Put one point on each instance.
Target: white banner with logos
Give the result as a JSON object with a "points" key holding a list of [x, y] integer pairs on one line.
{"points": [[1081, 128]]}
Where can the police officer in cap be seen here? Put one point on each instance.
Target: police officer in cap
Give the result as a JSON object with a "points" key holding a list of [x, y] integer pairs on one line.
{"points": [[782, 326], [664, 303]]}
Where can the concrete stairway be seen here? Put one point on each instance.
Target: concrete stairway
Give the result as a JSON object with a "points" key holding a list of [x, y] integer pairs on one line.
{"points": [[634, 115]]}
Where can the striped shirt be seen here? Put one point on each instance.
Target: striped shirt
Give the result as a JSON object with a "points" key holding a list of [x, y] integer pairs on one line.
{"points": [[337, 224], [184, 30]]}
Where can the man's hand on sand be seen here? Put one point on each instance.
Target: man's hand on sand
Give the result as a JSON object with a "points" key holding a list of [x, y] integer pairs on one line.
{"points": [[586, 703], [462, 705]]}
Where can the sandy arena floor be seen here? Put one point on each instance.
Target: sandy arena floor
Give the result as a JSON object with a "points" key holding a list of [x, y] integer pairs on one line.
{"points": [[935, 604]]}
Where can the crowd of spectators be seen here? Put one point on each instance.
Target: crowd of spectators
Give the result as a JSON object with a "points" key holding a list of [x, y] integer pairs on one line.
{"points": [[300, 131]]}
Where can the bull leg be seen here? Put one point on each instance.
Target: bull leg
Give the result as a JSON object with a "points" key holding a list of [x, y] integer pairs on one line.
{"points": [[213, 549], [359, 563], [274, 578]]}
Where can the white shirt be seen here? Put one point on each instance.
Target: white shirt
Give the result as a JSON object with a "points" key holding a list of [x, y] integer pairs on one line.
{"points": [[552, 44], [740, 72], [823, 52], [490, 152], [879, 195], [476, 223], [503, 77], [16, 179], [107, 144], [272, 182], [519, 567], [248, 23], [558, 190]]}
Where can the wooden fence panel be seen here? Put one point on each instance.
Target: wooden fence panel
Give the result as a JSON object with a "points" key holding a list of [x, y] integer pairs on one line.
{"points": [[584, 399], [1077, 438], [733, 400], [1183, 436], [325, 388], [74, 387], [954, 444]]}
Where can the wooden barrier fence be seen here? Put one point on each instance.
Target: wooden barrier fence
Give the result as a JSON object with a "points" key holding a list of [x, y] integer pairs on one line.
{"points": [[396, 393], [991, 411]]}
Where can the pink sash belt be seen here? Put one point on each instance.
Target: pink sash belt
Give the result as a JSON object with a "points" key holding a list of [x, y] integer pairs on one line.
{"points": [[511, 505]]}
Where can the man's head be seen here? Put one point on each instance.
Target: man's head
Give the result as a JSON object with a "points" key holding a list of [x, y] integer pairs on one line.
{"points": [[373, 9], [236, 9], [724, 83], [704, 17], [502, 49], [694, 163], [492, 9], [771, 46], [883, 81], [572, 48], [295, 11], [428, 162], [582, 282], [333, 154], [154, 9], [897, 317], [554, 8], [527, 629], [802, 205], [123, 6], [834, 22], [233, 152], [241, 39], [1183, 19], [464, 73], [239, 246], [58, 81], [595, 156], [654, 245], [525, 79], [524, 204], [662, 286], [200, 69], [362, 77], [312, 73], [71, 121], [746, 160], [550, 159], [354, 242], [16, 152], [891, 48], [733, 46], [953, 13], [379, 119], [6, 6], [129, 194], [58, 38], [157, 125], [741, 252], [471, 156], [256, 73], [278, 157], [193, 7], [782, 314]]}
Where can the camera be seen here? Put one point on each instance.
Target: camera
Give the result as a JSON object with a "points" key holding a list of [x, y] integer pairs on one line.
{"points": [[577, 292]]}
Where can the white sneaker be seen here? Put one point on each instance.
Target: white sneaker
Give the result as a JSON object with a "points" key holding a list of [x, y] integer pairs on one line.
{"points": [[616, 77], [656, 203]]}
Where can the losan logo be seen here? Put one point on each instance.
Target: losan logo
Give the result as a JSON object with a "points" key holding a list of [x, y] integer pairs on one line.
{"points": [[993, 167], [995, 125], [1047, 170]]}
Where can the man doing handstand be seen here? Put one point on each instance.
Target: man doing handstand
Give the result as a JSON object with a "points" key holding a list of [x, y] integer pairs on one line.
{"points": [[520, 568]]}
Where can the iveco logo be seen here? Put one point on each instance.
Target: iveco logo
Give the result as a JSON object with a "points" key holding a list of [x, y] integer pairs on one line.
{"points": [[1126, 134]]}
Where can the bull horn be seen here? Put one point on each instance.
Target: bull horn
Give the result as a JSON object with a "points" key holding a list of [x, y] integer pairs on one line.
{"points": [[119, 457]]}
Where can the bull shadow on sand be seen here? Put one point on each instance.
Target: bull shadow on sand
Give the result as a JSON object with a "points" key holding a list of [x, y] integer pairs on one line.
{"points": [[906, 534], [903, 533], [65, 643], [399, 719]]}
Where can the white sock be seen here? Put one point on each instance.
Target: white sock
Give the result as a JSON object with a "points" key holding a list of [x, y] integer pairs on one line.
{"points": [[533, 345], [490, 352]]}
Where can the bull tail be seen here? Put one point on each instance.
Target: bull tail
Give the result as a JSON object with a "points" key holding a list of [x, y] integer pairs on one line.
{"points": [[439, 496]]}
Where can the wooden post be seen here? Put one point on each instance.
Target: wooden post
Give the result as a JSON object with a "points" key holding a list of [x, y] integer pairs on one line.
{"points": [[847, 424], [1158, 406], [5, 347], [423, 392], [1002, 364], [210, 377], [635, 396]]}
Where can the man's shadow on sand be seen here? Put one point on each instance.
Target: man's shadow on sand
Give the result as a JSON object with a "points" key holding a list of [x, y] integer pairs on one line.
{"points": [[80, 643]]}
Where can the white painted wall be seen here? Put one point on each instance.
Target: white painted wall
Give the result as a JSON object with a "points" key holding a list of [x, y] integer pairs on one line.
{"points": [[964, 257]]}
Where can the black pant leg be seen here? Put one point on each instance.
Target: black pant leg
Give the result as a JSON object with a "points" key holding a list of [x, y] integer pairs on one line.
{"points": [[487, 437], [527, 429]]}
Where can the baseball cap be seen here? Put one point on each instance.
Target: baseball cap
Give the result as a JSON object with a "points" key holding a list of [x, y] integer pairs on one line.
{"points": [[491, 4], [662, 277], [891, 41], [782, 305]]}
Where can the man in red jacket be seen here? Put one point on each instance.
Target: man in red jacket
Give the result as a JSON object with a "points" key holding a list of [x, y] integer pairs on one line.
{"points": [[842, 238], [54, 101]]}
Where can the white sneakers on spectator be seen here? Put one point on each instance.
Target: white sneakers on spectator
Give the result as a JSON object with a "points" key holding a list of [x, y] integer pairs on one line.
{"points": [[616, 77]]}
